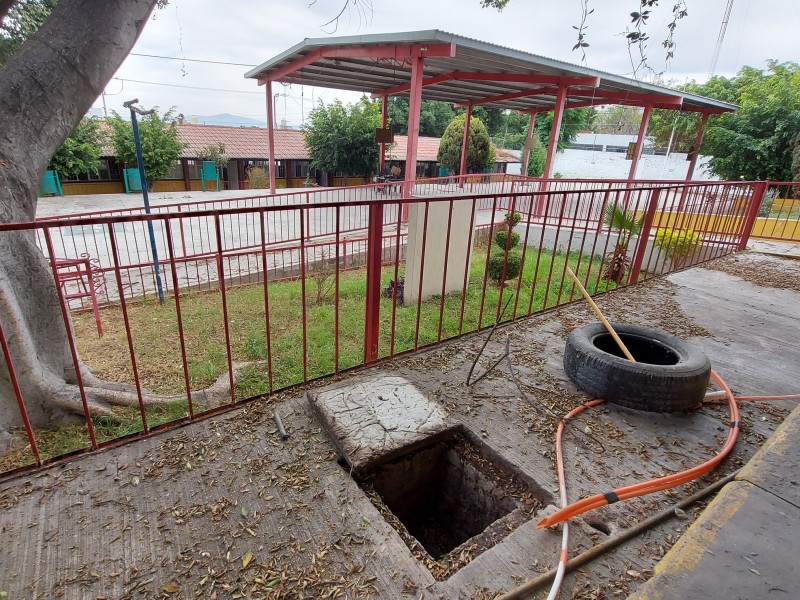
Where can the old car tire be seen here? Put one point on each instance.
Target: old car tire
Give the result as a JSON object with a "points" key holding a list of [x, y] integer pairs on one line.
{"points": [[670, 375]]}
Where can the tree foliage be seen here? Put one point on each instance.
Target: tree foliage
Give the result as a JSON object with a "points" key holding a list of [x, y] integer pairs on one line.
{"points": [[342, 138], [618, 120], [81, 151], [215, 153], [433, 116], [160, 144], [480, 151], [756, 141], [24, 18]]}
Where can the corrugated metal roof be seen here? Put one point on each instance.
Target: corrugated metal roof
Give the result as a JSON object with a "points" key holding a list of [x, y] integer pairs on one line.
{"points": [[373, 75]]}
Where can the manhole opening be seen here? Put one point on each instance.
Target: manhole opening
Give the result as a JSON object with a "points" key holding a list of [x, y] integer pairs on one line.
{"points": [[448, 493], [644, 350]]}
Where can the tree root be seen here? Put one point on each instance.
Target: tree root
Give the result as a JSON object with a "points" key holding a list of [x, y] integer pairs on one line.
{"points": [[102, 397]]}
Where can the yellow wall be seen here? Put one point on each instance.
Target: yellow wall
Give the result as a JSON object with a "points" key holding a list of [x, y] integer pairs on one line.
{"points": [[728, 224], [92, 187], [169, 185]]}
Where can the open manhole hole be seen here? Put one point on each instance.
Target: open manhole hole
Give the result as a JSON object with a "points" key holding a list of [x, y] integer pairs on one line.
{"points": [[452, 500]]}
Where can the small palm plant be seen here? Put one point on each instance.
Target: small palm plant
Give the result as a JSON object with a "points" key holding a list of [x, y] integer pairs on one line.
{"points": [[626, 223]]}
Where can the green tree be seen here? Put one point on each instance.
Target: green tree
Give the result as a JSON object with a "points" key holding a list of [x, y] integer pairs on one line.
{"points": [[617, 119], [342, 138], [796, 158], [215, 153], [480, 151], [80, 153], [573, 122], [433, 116], [160, 144], [537, 158], [756, 141], [24, 18]]}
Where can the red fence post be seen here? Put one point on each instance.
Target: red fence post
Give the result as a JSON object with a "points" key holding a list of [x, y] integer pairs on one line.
{"points": [[644, 234], [373, 307], [759, 189]]}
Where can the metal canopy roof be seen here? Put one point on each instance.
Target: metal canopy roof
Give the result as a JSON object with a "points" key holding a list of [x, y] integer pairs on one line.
{"points": [[463, 70]]}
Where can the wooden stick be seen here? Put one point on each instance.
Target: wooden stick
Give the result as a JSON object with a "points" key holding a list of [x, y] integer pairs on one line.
{"points": [[605, 322]]}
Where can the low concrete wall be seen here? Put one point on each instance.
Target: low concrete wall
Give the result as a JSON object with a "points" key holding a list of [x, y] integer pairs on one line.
{"points": [[458, 255]]}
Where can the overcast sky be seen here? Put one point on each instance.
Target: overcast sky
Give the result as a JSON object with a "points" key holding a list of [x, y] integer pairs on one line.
{"points": [[251, 32]]}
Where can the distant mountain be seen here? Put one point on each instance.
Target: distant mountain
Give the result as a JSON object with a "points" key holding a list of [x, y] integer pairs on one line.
{"points": [[226, 119]]}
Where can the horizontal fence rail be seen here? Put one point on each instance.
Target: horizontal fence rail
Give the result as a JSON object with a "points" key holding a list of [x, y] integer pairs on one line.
{"points": [[263, 296]]}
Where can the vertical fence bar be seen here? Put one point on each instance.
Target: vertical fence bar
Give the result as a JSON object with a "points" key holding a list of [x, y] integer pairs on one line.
{"points": [[336, 295], [467, 265], [265, 280], [444, 273], [421, 273], [70, 339], [372, 317], [179, 317], [538, 255], [124, 307], [522, 262], [759, 189], [396, 280], [644, 235], [486, 265], [23, 412], [221, 279], [303, 293]]}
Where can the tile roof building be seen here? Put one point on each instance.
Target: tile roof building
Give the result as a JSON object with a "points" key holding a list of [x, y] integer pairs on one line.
{"points": [[247, 147]]}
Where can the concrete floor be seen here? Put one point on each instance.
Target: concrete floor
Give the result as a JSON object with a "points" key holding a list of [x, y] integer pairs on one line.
{"points": [[223, 508]]}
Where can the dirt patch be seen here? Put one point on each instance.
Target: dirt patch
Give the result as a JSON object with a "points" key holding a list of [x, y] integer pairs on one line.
{"points": [[761, 269]]}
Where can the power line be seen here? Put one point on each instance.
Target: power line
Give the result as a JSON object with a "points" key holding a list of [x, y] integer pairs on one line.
{"points": [[197, 60], [188, 87]]}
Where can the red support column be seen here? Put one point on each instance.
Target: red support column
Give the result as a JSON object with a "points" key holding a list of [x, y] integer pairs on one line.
{"points": [[637, 151], [372, 318], [384, 121], [697, 141], [528, 142], [414, 104], [271, 137], [644, 236], [465, 147], [555, 132]]}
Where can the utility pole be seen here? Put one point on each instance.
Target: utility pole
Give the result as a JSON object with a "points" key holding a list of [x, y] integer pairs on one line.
{"points": [[130, 104]]}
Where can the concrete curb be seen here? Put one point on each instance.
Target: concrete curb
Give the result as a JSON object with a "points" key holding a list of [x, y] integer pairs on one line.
{"points": [[745, 544]]}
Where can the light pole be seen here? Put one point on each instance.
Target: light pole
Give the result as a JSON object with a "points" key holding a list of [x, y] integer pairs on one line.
{"points": [[130, 104]]}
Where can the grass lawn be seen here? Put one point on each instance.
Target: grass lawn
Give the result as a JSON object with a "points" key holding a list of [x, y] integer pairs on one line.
{"points": [[157, 344]]}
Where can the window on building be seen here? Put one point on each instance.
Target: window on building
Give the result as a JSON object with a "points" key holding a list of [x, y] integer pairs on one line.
{"points": [[107, 171], [195, 169], [176, 172], [301, 169]]}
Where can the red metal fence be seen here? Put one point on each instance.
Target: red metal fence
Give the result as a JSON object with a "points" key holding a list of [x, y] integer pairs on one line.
{"points": [[294, 292]]}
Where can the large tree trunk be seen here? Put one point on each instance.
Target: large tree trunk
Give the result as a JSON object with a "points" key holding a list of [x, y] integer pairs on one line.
{"points": [[45, 89]]}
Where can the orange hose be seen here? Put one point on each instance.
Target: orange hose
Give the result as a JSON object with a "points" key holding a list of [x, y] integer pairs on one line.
{"points": [[562, 486], [653, 485]]}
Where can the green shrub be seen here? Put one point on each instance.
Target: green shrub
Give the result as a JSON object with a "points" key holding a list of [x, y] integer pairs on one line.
{"points": [[497, 261], [512, 219], [677, 243], [258, 178], [501, 236]]}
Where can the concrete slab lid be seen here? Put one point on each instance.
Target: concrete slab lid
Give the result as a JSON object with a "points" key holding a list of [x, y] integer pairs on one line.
{"points": [[375, 419]]}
